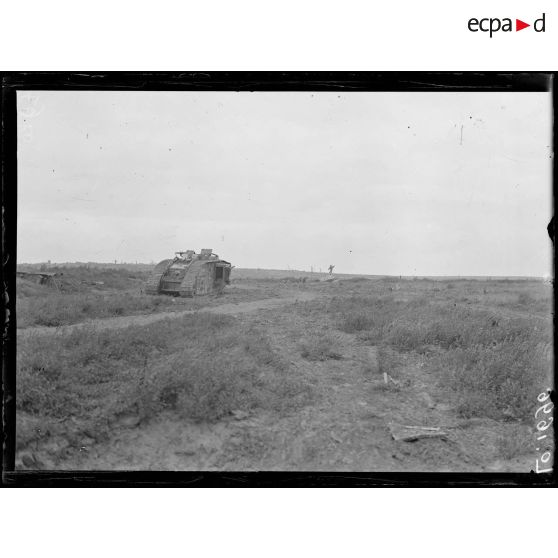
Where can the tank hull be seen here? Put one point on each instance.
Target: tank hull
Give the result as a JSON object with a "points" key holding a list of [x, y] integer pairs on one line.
{"points": [[197, 276]]}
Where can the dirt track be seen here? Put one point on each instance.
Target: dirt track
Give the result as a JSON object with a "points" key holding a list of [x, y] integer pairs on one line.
{"points": [[144, 319]]}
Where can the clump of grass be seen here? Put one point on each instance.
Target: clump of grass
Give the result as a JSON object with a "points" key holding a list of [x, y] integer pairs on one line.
{"points": [[386, 360], [377, 319], [320, 347], [202, 367], [357, 321], [496, 380], [389, 364], [383, 387], [360, 313], [524, 299]]}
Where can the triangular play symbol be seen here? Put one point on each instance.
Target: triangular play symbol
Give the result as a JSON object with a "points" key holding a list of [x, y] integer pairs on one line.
{"points": [[519, 25]]}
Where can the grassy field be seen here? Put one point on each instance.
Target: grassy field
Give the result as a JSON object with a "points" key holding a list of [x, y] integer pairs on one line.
{"points": [[298, 385], [202, 367], [496, 363], [87, 292]]}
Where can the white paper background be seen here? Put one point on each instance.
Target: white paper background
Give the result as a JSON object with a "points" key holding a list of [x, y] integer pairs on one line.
{"points": [[276, 523], [285, 35]]}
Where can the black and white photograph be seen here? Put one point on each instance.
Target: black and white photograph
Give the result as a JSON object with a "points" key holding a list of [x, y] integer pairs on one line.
{"points": [[284, 280]]}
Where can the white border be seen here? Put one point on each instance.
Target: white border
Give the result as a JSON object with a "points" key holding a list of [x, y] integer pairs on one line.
{"points": [[276, 523], [289, 35]]}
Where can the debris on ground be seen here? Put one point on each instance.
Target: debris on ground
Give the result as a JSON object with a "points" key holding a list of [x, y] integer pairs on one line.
{"points": [[336, 438], [388, 378], [405, 433]]}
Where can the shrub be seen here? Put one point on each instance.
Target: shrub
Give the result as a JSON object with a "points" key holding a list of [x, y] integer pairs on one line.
{"points": [[320, 347], [357, 321]]}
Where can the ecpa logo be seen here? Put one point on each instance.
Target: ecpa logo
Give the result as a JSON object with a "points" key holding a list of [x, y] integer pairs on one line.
{"points": [[494, 24]]}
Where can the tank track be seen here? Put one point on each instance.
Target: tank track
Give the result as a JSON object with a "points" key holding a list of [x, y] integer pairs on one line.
{"points": [[153, 283], [188, 285]]}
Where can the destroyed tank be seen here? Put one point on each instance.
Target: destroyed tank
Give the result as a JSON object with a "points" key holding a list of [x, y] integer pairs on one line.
{"points": [[190, 274]]}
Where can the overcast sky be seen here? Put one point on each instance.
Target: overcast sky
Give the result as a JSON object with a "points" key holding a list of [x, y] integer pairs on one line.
{"points": [[378, 183]]}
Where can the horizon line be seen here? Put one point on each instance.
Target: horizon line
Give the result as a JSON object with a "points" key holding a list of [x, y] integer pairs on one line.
{"points": [[54, 264]]}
